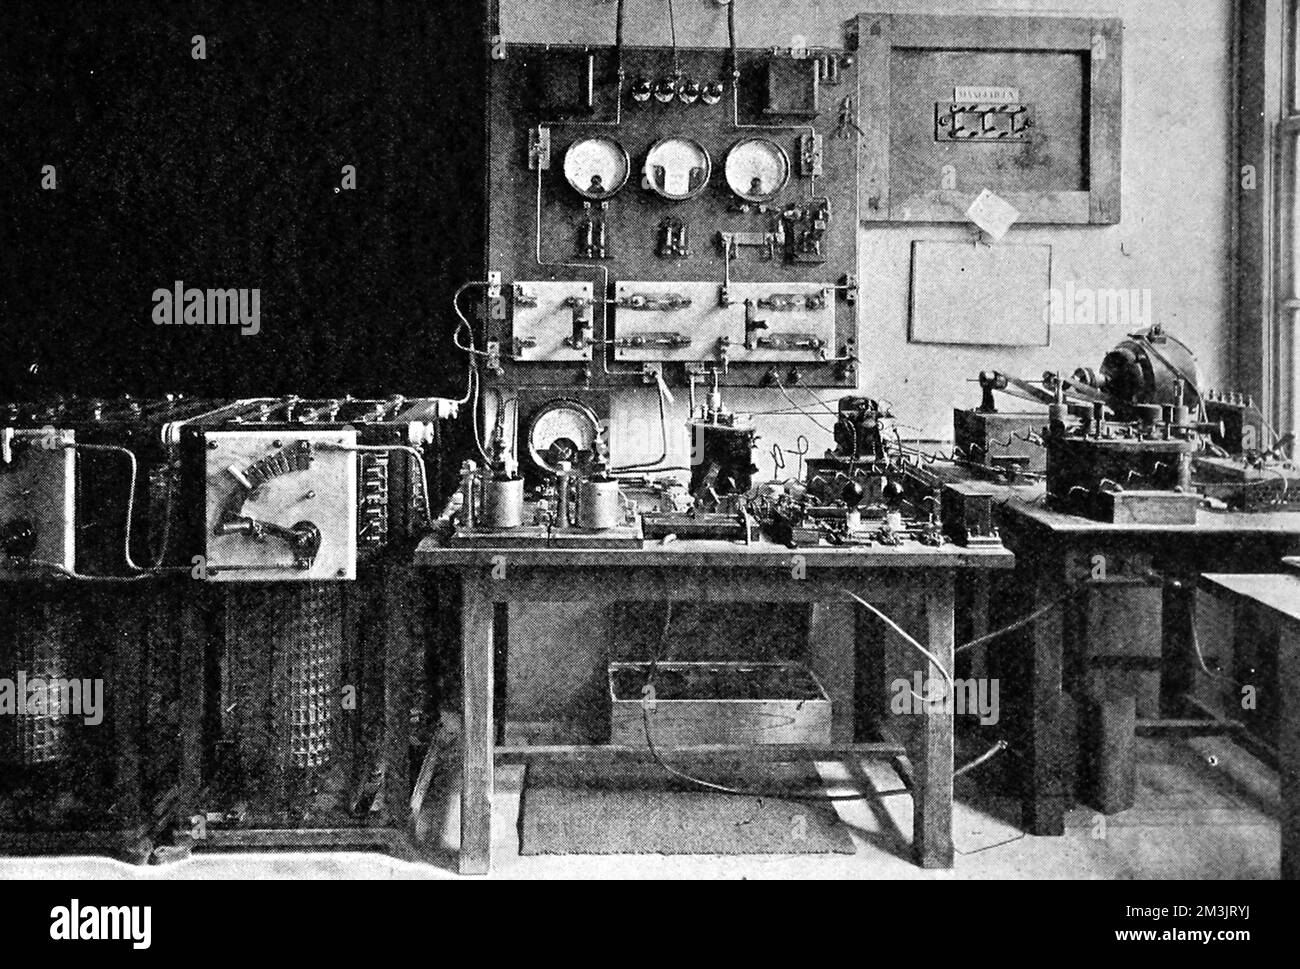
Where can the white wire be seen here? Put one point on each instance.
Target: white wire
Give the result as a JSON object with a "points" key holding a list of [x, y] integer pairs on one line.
{"points": [[81, 577], [130, 498], [473, 418], [473, 351], [952, 687], [801, 410], [464, 320]]}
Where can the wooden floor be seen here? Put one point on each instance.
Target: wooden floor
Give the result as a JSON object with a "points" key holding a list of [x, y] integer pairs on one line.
{"points": [[1206, 809]]}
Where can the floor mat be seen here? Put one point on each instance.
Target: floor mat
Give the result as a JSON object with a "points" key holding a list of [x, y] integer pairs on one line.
{"points": [[640, 809]]}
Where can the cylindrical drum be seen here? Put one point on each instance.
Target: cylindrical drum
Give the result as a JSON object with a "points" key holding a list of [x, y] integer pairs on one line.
{"points": [[599, 507], [37, 733], [503, 503]]}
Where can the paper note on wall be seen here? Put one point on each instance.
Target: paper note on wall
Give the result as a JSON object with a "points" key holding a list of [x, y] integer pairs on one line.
{"points": [[993, 214]]}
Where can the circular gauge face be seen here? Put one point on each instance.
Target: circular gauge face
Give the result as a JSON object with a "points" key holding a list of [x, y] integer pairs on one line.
{"points": [[677, 168], [596, 167], [757, 169], [562, 430]]}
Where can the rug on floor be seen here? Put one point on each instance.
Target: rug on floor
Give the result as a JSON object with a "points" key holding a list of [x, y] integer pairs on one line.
{"points": [[641, 809]]}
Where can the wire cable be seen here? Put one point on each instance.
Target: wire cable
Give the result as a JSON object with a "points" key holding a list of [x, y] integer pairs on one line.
{"points": [[802, 410], [656, 464], [473, 416], [1021, 623], [618, 42], [169, 514], [723, 788], [82, 577], [672, 33], [779, 794], [465, 324], [130, 497], [731, 40], [141, 573], [472, 350], [1267, 426], [1200, 657], [934, 660]]}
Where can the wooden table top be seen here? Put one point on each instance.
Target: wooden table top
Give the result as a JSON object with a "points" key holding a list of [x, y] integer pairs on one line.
{"points": [[711, 554], [1279, 593], [1220, 523]]}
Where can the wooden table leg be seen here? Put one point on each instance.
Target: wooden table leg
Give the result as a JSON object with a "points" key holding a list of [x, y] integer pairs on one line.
{"points": [[1050, 742], [1288, 744], [1177, 654], [932, 813], [400, 675], [194, 699], [979, 586], [832, 656], [477, 644]]}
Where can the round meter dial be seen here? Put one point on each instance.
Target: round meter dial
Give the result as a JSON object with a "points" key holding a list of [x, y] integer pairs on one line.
{"points": [[596, 167], [757, 169], [677, 168], [562, 430]]}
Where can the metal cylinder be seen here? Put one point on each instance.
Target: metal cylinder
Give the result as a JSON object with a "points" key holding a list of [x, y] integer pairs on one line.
{"points": [[562, 514], [311, 675], [38, 732], [1149, 415], [282, 670], [503, 503], [599, 507], [467, 479]]}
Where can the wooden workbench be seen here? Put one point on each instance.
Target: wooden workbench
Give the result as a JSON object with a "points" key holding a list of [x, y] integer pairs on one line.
{"points": [[1275, 602], [1056, 552], [708, 572]]}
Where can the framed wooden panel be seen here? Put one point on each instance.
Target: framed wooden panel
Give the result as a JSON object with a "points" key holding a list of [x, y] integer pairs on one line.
{"points": [[1049, 141]]}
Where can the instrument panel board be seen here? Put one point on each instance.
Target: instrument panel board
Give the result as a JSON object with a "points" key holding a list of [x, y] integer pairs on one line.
{"points": [[545, 99]]}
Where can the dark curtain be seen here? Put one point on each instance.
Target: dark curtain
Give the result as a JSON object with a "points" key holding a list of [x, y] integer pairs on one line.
{"points": [[222, 173]]}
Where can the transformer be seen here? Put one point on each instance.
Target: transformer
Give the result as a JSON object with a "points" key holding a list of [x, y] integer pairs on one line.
{"points": [[307, 644], [85, 754], [254, 687]]}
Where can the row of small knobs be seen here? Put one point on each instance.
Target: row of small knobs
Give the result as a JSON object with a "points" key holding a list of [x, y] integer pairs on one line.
{"points": [[674, 88], [1231, 397]]}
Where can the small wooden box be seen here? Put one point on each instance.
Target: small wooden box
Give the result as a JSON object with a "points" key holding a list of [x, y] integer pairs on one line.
{"points": [[696, 704], [1149, 507], [1001, 439]]}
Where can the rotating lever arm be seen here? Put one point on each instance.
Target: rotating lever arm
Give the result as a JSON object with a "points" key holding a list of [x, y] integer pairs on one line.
{"points": [[303, 539]]}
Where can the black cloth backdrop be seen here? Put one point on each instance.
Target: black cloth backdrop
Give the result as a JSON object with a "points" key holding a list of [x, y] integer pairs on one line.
{"points": [[222, 173]]}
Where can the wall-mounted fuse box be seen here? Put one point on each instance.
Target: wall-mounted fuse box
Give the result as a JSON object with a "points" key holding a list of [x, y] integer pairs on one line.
{"points": [[552, 321]]}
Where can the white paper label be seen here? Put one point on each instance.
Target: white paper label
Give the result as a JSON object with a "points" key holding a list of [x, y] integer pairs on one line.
{"points": [[993, 214], [986, 95]]}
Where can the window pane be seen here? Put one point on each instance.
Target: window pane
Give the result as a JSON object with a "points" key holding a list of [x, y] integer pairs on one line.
{"points": [[1293, 27], [1291, 170], [1288, 351]]}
